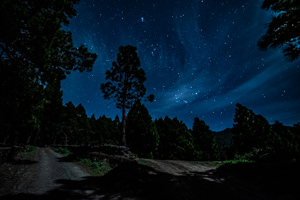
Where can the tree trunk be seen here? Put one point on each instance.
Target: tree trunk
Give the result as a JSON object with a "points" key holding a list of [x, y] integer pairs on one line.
{"points": [[124, 126], [124, 96], [66, 138], [36, 136]]}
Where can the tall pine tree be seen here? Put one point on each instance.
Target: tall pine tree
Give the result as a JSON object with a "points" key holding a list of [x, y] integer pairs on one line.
{"points": [[142, 135], [125, 83]]}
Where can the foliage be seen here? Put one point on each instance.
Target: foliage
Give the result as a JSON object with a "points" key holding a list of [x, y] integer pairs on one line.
{"points": [[254, 138], [125, 79], [284, 29], [78, 129], [96, 168], [32, 36], [36, 54], [250, 131], [204, 141], [30, 148], [22, 151], [176, 141], [141, 131], [125, 82], [62, 150]]}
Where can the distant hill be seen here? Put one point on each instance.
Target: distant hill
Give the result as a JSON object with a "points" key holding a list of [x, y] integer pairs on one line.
{"points": [[223, 138]]}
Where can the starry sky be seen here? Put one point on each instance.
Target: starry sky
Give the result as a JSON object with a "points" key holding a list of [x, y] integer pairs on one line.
{"points": [[200, 58]]}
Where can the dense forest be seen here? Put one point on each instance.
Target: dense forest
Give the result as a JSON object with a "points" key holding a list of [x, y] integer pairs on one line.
{"points": [[164, 138], [35, 59]]}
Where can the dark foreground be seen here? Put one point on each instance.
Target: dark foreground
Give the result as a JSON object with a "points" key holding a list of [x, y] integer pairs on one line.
{"points": [[46, 176]]}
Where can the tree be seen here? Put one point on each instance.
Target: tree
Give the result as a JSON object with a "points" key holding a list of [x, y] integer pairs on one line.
{"points": [[125, 82], [286, 143], [175, 140], [32, 36], [142, 135], [204, 140], [284, 29], [69, 124], [51, 114], [250, 131], [84, 129], [34, 52]]}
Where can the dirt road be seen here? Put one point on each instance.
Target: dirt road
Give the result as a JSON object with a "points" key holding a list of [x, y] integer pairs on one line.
{"points": [[44, 175], [177, 167], [38, 174]]}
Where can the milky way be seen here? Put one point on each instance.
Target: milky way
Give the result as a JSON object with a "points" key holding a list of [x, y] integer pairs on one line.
{"points": [[200, 58]]}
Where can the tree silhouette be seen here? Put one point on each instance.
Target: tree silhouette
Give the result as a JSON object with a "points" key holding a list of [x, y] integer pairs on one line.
{"points": [[204, 140], [250, 131], [142, 135], [175, 140], [32, 36], [34, 52], [284, 29], [125, 82]]}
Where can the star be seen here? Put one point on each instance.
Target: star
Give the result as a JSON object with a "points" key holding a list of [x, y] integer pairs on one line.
{"points": [[200, 54]]}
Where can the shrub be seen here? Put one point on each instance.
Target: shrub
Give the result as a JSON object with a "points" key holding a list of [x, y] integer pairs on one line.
{"points": [[96, 167], [62, 150]]}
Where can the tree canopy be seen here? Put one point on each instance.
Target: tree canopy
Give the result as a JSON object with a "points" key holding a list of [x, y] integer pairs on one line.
{"points": [[36, 53], [125, 83], [284, 29], [141, 131], [32, 37]]}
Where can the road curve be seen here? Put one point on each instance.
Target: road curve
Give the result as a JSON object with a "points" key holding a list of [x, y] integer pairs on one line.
{"points": [[39, 174]]}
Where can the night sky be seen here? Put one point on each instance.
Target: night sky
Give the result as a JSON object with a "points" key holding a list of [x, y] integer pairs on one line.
{"points": [[200, 58]]}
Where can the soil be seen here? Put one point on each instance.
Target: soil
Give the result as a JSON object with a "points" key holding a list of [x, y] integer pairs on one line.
{"points": [[37, 172], [44, 174]]}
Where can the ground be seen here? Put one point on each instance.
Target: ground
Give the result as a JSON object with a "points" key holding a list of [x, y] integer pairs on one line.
{"points": [[37, 173], [43, 174]]}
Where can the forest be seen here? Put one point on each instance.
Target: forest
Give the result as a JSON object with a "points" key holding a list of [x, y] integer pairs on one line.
{"points": [[35, 59], [252, 137]]}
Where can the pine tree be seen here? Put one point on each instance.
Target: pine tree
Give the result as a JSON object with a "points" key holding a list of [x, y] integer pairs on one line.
{"points": [[250, 131], [142, 135], [204, 140], [125, 82], [175, 140], [284, 29], [35, 51]]}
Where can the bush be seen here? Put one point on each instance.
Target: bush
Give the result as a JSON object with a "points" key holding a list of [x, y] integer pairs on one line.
{"points": [[23, 150], [96, 168], [62, 150], [30, 148]]}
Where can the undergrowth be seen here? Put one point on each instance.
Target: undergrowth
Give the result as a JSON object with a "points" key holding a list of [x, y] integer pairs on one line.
{"points": [[96, 168], [21, 154], [62, 150], [27, 149]]}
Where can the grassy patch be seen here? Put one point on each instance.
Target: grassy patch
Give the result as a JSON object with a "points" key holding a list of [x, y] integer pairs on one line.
{"points": [[62, 150], [142, 162], [30, 148], [26, 150], [96, 168]]}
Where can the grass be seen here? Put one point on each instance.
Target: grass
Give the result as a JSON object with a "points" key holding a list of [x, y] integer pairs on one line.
{"points": [[26, 150], [143, 162], [62, 150], [30, 148], [96, 168]]}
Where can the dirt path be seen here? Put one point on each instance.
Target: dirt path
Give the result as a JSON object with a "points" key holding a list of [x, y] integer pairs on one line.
{"points": [[177, 167], [38, 174], [183, 168], [44, 175]]}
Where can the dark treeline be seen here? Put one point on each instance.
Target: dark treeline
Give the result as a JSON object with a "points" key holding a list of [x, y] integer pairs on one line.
{"points": [[164, 138]]}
